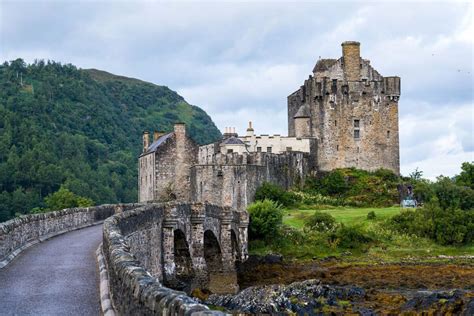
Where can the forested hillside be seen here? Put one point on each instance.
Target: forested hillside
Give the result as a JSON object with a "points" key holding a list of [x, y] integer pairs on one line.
{"points": [[61, 126]]}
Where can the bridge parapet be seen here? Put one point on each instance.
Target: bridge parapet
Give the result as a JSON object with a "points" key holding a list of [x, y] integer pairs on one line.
{"points": [[184, 246], [22, 232]]}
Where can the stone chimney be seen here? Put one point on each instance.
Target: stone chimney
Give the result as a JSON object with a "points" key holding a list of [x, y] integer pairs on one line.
{"points": [[156, 135], [351, 60], [250, 131], [146, 140]]}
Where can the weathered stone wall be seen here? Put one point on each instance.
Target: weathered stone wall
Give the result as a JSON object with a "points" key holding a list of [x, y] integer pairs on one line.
{"points": [[24, 231], [232, 180], [354, 113], [143, 254]]}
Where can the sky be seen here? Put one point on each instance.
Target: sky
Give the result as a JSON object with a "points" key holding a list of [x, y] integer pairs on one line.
{"points": [[240, 60]]}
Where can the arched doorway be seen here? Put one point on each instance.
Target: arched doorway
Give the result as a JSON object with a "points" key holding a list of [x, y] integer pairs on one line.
{"points": [[212, 252], [235, 248]]}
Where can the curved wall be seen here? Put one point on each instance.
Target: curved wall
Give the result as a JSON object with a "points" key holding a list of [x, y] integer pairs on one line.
{"points": [[139, 251], [22, 232]]}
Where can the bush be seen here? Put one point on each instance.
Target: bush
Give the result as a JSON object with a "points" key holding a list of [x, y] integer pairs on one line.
{"points": [[452, 196], [63, 198], [352, 237], [320, 222], [275, 193], [446, 227], [371, 215], [265, 219]]}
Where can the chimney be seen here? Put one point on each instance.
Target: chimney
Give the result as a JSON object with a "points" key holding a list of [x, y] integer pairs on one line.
{"points": [[351, 60], [180, 130], [156, 135], [146, 140], [250, 131]]}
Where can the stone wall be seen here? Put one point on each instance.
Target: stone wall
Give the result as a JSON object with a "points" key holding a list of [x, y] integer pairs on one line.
{"points": [[22, 232], [146, 249], [232, 180]]}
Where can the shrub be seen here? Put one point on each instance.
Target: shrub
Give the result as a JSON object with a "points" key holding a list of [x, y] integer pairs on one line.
{"points": [[371, 215], [452, 196], [275, 193], [265, 219], [320, 222], [63, 198], [446, 227], [352, 237]]}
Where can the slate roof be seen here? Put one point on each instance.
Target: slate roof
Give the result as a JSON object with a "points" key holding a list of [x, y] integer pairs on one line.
{"points": [[303, 111], [232, 141], [324, 64], [157, 143]]}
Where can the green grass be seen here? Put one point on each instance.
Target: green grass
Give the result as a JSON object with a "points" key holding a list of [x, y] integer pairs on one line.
{"points": [[389, 247], [345, 215]]}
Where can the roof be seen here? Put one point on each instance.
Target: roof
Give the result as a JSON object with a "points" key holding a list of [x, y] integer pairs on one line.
{"points": [[324, 64], [157, 143], [232, 141], [303, 111]]}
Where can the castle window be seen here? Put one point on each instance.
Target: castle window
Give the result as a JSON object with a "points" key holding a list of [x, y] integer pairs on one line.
{"points": [[259, 149], [337, 147], [358, 150], [335, 122], [356, 123], [356, 133], [230, 151], [334, 86], [269, 149], [220, 173], [388, 134]]}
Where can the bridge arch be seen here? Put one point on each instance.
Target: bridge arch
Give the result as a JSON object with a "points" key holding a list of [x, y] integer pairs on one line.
{"points": [[212, 252], [184, 272]]}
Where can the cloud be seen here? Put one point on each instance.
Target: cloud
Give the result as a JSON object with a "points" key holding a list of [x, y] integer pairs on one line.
{"points": [[239, 61]]}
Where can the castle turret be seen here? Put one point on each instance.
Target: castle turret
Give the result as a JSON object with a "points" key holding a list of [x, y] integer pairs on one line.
{"points": [[146, 140], [351, 60], [302, 122]]}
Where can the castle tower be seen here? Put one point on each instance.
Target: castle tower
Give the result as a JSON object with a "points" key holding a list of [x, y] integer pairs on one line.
{"points": [[353, 113], [351, 60], [303, 122]]}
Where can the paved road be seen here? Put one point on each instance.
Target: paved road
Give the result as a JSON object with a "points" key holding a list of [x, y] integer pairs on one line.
{"points": [[56, 277]]}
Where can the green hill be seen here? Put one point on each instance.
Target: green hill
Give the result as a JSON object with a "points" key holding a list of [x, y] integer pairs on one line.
{"points": [[60, 125]]}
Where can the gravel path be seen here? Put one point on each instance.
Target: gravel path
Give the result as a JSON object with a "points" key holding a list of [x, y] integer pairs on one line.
{"points": [[56, 277]]}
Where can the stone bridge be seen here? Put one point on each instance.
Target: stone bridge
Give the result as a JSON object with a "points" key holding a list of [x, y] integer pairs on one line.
{"points": [[146, 250]]}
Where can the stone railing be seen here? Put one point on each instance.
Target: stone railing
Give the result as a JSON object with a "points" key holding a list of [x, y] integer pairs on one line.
{"points": [[135, 251], [22, 232]]}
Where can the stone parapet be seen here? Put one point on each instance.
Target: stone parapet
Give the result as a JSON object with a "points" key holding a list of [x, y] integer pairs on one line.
{"points": [[27, 230]]}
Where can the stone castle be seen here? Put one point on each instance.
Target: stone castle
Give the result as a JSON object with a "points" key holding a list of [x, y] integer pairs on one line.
{"points": [[344, 115]]}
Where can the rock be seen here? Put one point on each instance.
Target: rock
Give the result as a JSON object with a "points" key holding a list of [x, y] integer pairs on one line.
{"points": [[300, 297]]}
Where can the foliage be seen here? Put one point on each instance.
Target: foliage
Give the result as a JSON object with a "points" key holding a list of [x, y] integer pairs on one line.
{"points": [[466, 177], [265, 219], [416, 175], [445, 226], [452, 196], [352, 237], [63, 198], [81, 129], [371, 215], [320, 222], [275, 193], [357, 187]]}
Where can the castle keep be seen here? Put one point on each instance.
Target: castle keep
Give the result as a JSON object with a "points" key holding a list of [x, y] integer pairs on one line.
{"points": [[344, 115]]}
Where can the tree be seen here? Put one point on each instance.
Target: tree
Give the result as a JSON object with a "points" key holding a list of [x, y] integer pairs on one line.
{"points": [[63, 198], [265, 219], [466, 177]]}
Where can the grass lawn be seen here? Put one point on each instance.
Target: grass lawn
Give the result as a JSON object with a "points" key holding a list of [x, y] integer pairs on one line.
{"points": [[345, 215]]}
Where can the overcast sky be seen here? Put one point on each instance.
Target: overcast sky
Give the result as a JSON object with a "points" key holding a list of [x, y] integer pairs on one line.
{"points": [[239, 61]]}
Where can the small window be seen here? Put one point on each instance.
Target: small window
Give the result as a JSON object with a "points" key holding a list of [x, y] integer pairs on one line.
{"points": [[388, 134], [356, 133], [259, 149], [357, 123], [269, 149], [230, 151], [220, 173], [337, 147], [358, 150], [289, 148], [335, 122]]}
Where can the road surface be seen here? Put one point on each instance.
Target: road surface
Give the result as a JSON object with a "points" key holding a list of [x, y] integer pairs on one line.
{"points": [[56, 277]]}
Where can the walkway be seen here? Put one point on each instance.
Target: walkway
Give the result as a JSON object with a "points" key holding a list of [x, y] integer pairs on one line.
{"points": [[56, 277]]}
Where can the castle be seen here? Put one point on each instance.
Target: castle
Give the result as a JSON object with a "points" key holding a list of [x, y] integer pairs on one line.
{"points": [[344, 115]]}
